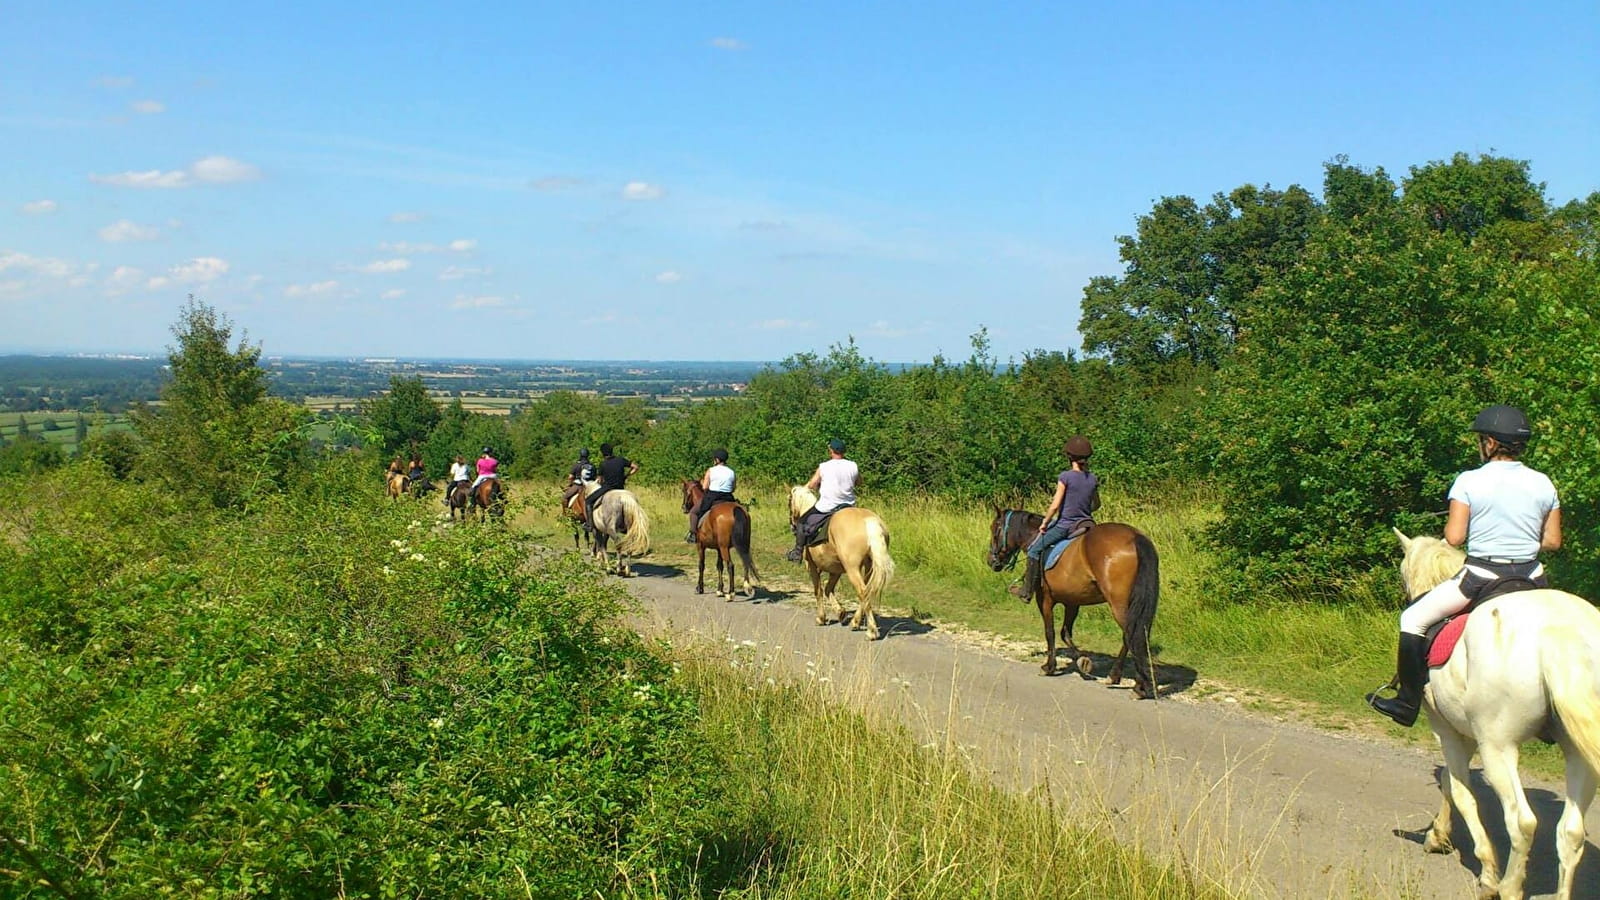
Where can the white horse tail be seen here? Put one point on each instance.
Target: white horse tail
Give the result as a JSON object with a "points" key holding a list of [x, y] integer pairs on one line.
{"points": [[1573, 685], [882, 562], [637, 541]]}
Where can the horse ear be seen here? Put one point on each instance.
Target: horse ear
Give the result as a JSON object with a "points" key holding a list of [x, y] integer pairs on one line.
{"points": [[1405, 542]]}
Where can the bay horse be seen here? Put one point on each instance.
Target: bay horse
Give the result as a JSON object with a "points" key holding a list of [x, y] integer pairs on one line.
{"points": [[489, 498], [858, 546], [460, 499], [1527, 665], [1111, 563], [575, 514], [619, 515], [725, 526]]}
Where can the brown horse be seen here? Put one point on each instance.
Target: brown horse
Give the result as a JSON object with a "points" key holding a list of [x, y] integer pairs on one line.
{"points": [[459, 499], [725, 526], [1114, 564], [857, 545], [576, 515], [489, 498], [395, 485]]}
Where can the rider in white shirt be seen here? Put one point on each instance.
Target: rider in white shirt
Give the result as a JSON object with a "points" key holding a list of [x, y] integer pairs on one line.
{"points": [[835, 482], [718, 482]]}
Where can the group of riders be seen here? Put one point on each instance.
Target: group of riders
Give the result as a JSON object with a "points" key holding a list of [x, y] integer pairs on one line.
{"points": [[461, 472], [1504, 512]]}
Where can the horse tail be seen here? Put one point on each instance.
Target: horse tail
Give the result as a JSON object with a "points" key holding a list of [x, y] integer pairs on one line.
{"points": [[637, 541], [878, 552], [741, 540], [1567, 664], [1142, 608]]}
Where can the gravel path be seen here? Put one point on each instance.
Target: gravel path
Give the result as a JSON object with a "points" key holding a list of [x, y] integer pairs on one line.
{"points": [[1274, 808]]}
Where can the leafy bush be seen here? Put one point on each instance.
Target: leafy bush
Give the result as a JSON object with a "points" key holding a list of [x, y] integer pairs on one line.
{"points": [[324, 698]]}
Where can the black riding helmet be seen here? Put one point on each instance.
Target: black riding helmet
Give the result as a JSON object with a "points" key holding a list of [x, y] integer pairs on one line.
{"points": [[1078, 447], [720, 455], [584, 453], [1506, 424]]}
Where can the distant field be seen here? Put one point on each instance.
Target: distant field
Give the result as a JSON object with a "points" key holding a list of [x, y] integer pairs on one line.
{"points": [[60, 427]]}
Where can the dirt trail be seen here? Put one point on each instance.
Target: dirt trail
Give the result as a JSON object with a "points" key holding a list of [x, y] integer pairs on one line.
{"points": [[1279, 809]]}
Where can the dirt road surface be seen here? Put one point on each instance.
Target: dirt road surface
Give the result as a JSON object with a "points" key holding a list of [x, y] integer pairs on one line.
{"points": [[1273, 808]]}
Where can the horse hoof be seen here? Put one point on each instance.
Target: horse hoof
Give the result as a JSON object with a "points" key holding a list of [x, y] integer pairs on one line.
{"points": [[1433, 843], [699, 590], [1047, 669], [1085, 667]]}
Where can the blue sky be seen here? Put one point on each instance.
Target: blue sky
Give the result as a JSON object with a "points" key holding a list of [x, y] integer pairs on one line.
{"points": [[701, 181]]}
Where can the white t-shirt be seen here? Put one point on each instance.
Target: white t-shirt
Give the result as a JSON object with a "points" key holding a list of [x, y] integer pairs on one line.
{"points": [[460, 472], [1509, 502], [720, 478], [839, 478]]}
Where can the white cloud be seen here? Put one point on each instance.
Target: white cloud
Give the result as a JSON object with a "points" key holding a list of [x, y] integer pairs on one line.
{"points": [[40, 207], [393, 294], [124, 279], [669, 277], [728, 43], [642, 190], [462, 245], [223, 170], [456, 273], [157, 283], [199, 270], [207, 170], [782, 324], [47, 266], [380, 266], [148, 107], [115, 82], [123, 230], [466, 301], [403, 218], [310, 290], [550, 183]]}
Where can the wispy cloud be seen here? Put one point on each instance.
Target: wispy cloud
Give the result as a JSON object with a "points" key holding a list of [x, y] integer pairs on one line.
{"points": [[412, 248], [206, 170], [764, 225], [393, 294], [311, 290], [642, 190], [669, 277], [463, 245], [40, 207], [381, 266], [148, 107], [728, 43], [199, 270], [552, 183], [456, 273], [124, 279], [467, 301], [48, 266], [123, 231], [405, 218], [883, 329]]}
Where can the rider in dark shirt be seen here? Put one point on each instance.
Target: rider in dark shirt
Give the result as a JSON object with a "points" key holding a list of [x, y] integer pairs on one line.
{"points": [[614, 472], [583, 472]]}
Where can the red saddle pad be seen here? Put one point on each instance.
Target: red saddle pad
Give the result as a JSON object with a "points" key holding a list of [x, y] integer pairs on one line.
{"points": [[1445, 642]]}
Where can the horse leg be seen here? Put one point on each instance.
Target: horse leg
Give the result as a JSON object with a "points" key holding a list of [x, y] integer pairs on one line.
{"points": [[1500, 770], [1047, 609], [832, 592], [1116, 667], [1458, 749], [1569, 831], [700, 587], [1080, 660], [864, 614], [816, 590], [724, 557]]}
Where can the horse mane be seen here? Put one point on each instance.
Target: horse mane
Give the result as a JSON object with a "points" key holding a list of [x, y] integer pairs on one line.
{"points": [[1428, 562], [800, 500]]}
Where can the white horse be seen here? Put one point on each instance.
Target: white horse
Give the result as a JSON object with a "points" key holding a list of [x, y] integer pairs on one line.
{"points": [[1527, 665], [857, 545], [619, 515]]}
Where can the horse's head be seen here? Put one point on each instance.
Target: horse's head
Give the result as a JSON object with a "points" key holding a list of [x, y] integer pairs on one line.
{"points": [[800, 500], [1004, 541], [690, 488], [1427, 563]]}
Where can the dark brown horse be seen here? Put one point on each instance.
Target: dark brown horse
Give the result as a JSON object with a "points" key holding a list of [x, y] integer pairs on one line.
{"points": [[488, 497], [725, 526], [460, 499], [1114, 564], [576, 514]]}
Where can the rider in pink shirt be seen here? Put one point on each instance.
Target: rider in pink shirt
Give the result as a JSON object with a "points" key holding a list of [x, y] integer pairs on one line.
{"points": [[486, 467]]}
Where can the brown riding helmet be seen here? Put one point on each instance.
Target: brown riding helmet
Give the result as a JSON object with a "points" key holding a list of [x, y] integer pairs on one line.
{"points": [[1078, 447]]}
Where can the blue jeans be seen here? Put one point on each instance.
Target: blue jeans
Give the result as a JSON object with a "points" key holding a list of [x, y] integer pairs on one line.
{"points": [[1050, 537]]}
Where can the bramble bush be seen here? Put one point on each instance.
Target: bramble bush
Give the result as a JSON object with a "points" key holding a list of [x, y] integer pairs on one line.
{"points": [[324, 697]]}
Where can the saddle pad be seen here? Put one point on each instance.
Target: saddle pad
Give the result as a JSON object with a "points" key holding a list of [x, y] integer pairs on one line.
{"points": [[1055, 553], [1444, 642], [820, 536]]}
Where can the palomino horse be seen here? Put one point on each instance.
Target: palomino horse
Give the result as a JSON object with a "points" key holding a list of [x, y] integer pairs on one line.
{"points": [[395, 485], [574, 513], [488, 497], [1114, 564], [725, 526], [1527, 665], [858, 546], [619, 515]]}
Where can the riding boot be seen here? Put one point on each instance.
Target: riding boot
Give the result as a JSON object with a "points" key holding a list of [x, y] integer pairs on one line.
{"points": [[690, 538], [1029, 585], [799, 550], [1411, 671]]}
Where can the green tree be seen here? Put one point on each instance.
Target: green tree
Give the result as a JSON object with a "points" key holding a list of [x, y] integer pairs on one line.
{"points": [[1466, 196], [405, 416], [1349, 192]]}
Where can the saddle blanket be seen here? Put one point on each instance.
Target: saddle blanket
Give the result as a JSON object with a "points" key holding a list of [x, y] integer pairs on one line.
{"points": [[1055, 553], [1443, 641]]}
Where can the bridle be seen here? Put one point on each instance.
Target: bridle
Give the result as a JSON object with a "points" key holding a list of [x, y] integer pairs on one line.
{"points": [[1006, 558]]}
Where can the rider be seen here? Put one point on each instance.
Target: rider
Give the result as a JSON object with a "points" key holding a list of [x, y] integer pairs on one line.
{"points": [[459, 474], [583, 472], [1505, 513], [1077, 497], [835, 481], [487, 468], [718, 482], [396, 467], [614, 472], [416, 471]]}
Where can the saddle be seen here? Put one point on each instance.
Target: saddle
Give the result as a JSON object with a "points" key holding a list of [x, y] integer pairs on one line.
{"points": [[1443, 636], [1056, 551]]}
